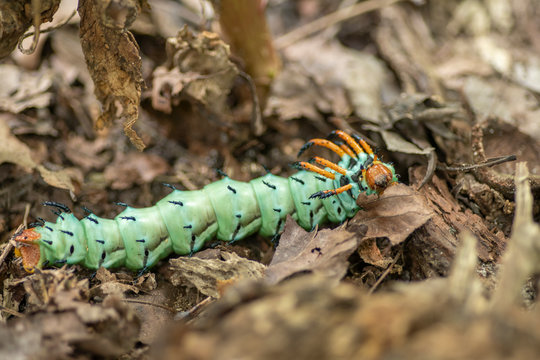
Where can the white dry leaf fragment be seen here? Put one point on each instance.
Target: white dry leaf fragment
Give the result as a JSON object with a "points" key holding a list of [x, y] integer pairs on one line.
{"points": [[331, 65], [395, 142], [22, 90], [527, 72], [520, 65], [509, 102], [494, 54], [206, 274]]}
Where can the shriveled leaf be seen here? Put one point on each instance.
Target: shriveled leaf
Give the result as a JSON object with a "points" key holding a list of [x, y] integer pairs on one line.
{"points": [[395, 214], [16, 152], [206, 274], [119, 284], [371, 254], [113, 59], [21, 90], [324, 252], [395, 142], [197, 68]]}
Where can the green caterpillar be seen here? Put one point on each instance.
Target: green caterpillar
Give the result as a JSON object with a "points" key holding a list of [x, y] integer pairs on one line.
{"points": [[229, 210]]}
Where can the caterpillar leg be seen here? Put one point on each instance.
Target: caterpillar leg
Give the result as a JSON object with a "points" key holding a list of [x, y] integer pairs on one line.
{"points": [[307, 166], [349, 140], [329, 164], [364, 145], [324, 143], [327, 193]]}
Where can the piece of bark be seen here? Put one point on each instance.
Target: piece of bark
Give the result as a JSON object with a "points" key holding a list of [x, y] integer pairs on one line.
{"points": [[431, 250]]}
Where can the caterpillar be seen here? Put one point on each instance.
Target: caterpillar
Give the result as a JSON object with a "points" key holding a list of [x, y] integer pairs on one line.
{"points": [[229, 210]]}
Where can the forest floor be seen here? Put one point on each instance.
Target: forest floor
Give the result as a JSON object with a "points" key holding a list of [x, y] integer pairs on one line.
{"points": [[444, 265]]}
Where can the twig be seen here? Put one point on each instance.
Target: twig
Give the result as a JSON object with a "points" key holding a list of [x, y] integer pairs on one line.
{"points": [[11, 312], [38, 31], [385, 273], [256, 117], [489, 162], [432, 165], [329, 20], [196, 309], [135, 301]]}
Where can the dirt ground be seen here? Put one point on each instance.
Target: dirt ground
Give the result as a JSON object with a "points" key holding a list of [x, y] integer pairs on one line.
{"points": [[113, 99]]}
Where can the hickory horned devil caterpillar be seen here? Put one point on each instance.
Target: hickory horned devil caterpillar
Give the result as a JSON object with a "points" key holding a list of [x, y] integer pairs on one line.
{"points": [[183, 221]]}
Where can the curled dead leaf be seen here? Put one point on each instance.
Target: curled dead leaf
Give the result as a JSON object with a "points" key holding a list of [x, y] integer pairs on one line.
{"points": [[197, 68], [113, 59], [210, 275]]}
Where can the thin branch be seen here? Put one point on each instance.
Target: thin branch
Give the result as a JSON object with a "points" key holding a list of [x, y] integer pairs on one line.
{"points": [[330, 20], [488, 163]]}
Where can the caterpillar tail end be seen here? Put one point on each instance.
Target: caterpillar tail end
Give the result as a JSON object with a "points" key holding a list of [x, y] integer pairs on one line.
{"points": [[28, 248]]}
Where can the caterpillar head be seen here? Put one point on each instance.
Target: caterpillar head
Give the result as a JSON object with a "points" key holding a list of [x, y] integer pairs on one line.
{"points": [[379, 176], [28, 248], [360, 170]]}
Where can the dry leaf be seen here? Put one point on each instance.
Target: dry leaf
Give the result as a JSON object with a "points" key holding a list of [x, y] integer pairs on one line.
{"points": [[395, 214], [21, 90], [14, 151], [510, 103], [198, 68], [324, 252], [113, 59], [206, 274], [17, 18], [117, 284], [347, 80]]}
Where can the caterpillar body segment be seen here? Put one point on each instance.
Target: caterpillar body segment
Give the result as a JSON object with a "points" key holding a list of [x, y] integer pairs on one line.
{"points": [[229, 210]]}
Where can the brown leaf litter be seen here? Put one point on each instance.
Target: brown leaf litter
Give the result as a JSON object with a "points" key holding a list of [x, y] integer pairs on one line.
{"points": [[63, 322]]}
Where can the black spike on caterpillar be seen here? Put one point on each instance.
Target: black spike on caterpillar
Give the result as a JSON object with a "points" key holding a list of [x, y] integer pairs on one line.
{"points": [[229, 210]]}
